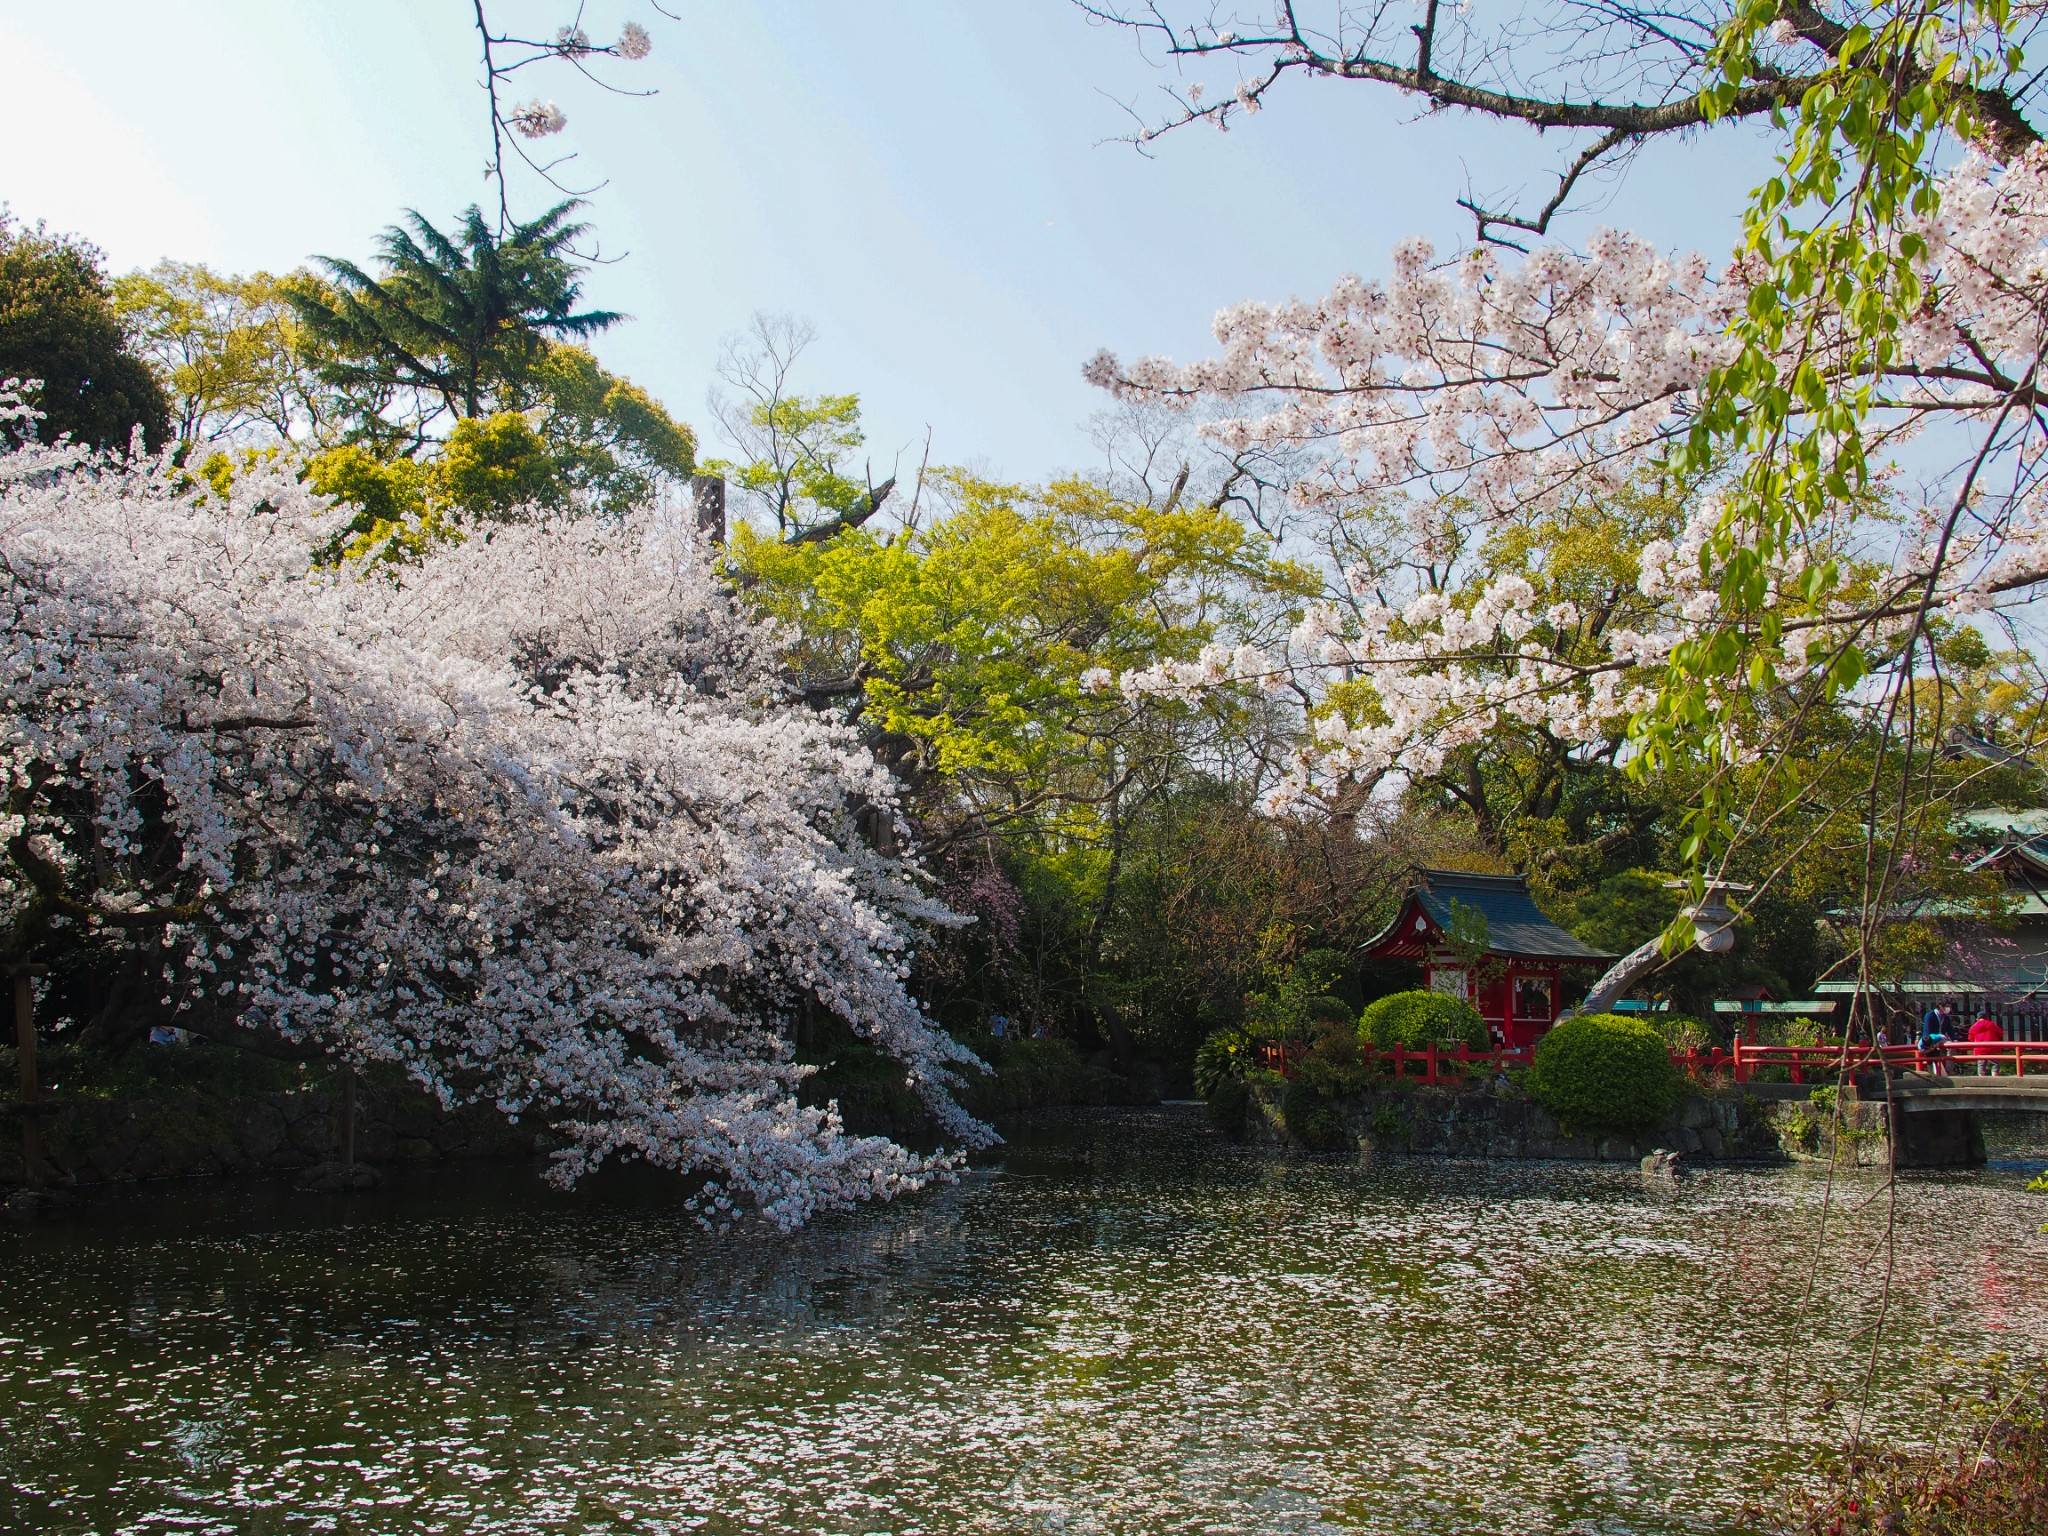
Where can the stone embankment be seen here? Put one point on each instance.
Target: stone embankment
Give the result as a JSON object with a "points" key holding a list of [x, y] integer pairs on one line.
{"points": [[1485, 1122], [189, 1132], [186, 1132], [1758, 1122]]}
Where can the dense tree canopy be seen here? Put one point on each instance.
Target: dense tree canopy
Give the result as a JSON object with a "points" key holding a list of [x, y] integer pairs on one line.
{"points": [[442, 389], [1586, 563], [60, 330], [452, 323], [228, 351]]}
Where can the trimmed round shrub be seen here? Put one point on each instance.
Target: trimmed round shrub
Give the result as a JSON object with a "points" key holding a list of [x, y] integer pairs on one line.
{"points": [[1605, 1072], [1414, 1019]]}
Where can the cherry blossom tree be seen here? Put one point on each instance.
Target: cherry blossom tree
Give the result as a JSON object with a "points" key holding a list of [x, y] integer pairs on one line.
{"points": [[1850, 402], [528, 822]]}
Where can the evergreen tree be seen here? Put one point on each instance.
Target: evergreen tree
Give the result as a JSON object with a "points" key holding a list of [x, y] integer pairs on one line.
{"points": [[460, 322], [58, 327]]}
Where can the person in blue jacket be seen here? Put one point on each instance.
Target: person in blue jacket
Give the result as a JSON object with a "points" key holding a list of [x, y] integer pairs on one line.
{"points": [[1937, 1026]]}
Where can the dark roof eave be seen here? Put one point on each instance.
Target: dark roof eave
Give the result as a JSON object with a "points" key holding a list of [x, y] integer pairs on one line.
{"points": [[1516, 927]]}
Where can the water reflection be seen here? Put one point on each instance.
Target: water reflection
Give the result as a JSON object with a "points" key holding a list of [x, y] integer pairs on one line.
{"points": [[1125, 1328]]}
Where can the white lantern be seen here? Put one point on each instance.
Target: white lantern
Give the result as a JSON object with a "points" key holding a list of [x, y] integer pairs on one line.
{"points": [[1713, 921]]}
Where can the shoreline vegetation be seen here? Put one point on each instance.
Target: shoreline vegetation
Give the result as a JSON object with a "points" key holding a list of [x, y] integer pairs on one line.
{"points": [[1983, 1470], [196, 1109]]}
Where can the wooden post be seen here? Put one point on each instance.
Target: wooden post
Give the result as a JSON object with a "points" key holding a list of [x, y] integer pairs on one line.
{"points": [[25, 1061]]}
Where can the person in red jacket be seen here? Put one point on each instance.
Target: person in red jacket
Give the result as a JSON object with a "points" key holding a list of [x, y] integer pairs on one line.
{"points": [[1983, 1034]]}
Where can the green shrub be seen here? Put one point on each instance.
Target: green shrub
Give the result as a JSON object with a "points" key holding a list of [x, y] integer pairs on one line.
{"points": [[1325, 1009], [1605, 1072], [1681, 1031], [1330, 1070], [1310, 1118], [1414, 1019], [1389, 1123], [1230, 1102], [1228, 1053], [1334, 1066]]}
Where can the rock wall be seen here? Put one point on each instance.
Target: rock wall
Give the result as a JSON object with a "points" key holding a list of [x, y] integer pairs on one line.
{"points": [[1485, 1122], [1030, 1075], [1767, 1122], [1810, 1132], [183, 1133]]}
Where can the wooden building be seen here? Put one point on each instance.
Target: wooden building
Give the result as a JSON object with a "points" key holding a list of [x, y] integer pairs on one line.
{"points": [[1518, 983], [1996, 967]]}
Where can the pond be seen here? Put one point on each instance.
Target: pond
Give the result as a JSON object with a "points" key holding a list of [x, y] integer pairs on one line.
{"points": [[1124, 1325]]}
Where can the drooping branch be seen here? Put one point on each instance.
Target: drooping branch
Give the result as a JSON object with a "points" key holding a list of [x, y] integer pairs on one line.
{"points": [[2003, 127]]}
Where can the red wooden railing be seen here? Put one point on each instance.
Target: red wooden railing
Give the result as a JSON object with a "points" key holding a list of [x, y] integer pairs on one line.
{"points": [[1443, 1063], [1424, 1064], [2005, 1057]]}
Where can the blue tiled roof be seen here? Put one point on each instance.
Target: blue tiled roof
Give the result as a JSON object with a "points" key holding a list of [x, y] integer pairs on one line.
{"points": [[1515, 925]]}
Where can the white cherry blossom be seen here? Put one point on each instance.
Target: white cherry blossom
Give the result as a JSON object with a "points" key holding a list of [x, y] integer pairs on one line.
{"points": [[526, 820]]}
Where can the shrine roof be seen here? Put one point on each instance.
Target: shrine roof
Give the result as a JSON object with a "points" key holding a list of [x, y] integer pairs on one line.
{"points": [[1515, 925]]}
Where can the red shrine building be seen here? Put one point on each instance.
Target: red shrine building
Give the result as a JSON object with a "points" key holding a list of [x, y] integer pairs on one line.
{"points": [[1518, 984]]}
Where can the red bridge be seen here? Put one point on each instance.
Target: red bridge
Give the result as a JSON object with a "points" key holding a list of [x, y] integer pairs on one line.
{"points": [[2012, 1059]]}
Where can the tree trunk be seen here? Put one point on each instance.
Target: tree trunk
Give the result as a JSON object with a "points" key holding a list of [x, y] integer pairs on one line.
{"points": [[1110, 1021], [348, 1117], [25, 1058]]}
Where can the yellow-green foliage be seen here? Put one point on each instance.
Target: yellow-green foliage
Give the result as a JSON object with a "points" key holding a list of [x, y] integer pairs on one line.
{"points": [[606, 437], [392, 520], [972, 639], [226, 347], [599, 442], [807, 443], [494, 467]]}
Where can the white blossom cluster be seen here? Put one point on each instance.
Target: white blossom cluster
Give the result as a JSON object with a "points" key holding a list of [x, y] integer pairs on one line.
{"points": [[1484, 392], [525, 822], [1505, 385], [634, 43], [537, 119]]}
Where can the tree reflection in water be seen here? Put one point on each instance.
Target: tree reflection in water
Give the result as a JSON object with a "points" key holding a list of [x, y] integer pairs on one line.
{"points": [[1124, 1327]]}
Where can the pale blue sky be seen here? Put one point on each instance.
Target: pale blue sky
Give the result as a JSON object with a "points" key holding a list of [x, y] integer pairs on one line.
{"points": [[923, 180]]}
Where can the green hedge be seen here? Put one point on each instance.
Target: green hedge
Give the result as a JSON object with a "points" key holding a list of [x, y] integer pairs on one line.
{"points": [[1414, 1019], [1605, 1072]]}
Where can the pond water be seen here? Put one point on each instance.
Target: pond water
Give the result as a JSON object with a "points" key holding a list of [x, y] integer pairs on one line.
{"points": [[1124, 1326]]}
